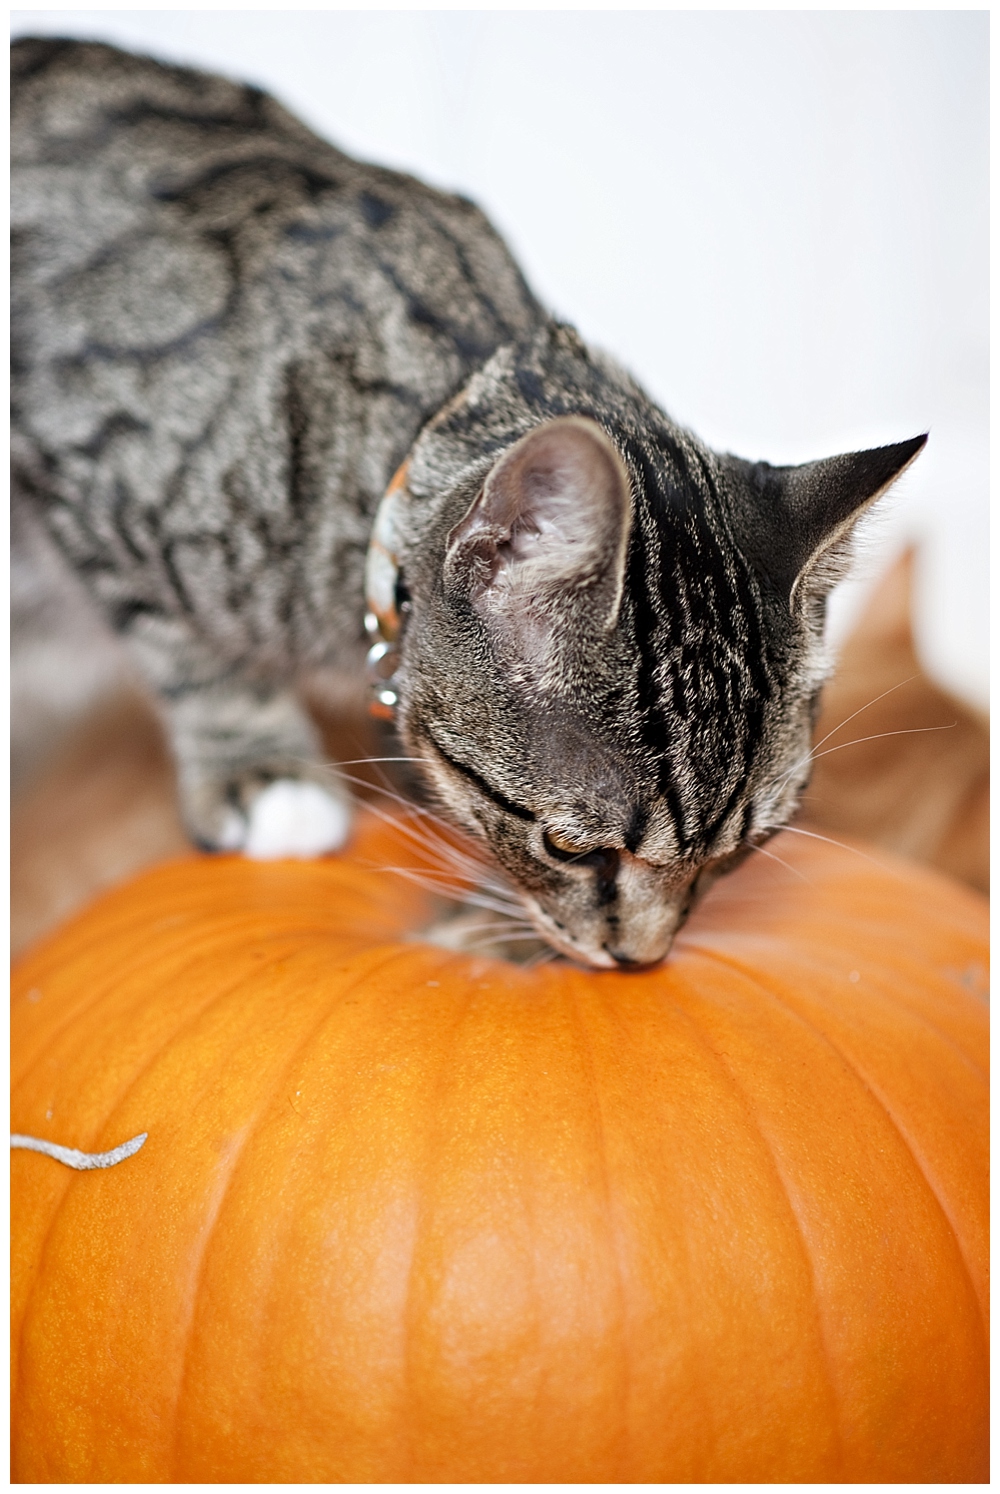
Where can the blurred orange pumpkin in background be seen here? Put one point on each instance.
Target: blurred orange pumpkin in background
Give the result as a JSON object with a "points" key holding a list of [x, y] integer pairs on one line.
{"points": [[409, 1215]]}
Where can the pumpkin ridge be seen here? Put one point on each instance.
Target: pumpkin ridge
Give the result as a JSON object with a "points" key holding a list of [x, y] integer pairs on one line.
{"points": [[586, 1049], [189, 1021], [378, 1248], [422, 1212], [135, 1079], [231, 1163], [855, 1070], [86, 1011], [873, 1089], [822, 969], [932, 1189], [755, 1125], [80, 923], [208, 936], [705, 1391], [249, 1130]]}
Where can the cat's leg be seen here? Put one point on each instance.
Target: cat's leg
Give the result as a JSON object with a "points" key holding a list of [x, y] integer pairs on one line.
{"points": [[249, 762], [249, 773]]}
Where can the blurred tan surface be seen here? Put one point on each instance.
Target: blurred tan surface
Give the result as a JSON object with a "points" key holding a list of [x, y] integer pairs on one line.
{"points": [[102, 805], [898, 763]]}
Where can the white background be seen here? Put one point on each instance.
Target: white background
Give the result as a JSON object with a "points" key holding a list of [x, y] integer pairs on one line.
{"points": [[777, 220]]}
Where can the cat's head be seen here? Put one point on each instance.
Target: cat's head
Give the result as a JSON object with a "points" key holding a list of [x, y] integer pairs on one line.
{"points": [[614, 641]]}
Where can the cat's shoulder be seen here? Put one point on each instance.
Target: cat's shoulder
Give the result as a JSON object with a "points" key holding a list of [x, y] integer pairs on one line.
{"points": [[75, 97]]}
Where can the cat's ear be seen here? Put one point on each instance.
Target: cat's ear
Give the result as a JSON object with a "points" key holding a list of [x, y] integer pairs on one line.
{"points": [[549, 530], [794, 523]]}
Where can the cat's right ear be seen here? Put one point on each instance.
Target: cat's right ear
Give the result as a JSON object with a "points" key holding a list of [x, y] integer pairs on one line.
{"points": [[548, 534], [794, 523]]}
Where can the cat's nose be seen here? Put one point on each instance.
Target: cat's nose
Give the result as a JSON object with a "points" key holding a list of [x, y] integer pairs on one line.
{"points": [[627, 962]]}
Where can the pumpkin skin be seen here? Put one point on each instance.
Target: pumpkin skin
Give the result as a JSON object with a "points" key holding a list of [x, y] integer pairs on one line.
{"points": [[411, 1216]]}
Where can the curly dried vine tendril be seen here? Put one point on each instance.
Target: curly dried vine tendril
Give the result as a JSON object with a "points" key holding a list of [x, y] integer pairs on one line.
{"points": [[82, 1161]]}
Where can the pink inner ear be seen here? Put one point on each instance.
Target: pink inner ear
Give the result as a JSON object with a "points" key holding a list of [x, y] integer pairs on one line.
{"points": [[554, 511], [541, 552], [561, 498]]}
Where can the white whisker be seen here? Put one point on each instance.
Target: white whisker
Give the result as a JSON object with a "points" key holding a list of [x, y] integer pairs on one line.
{"points": [[544, 957], [500, 936], [814, 753], [420, 833], [760, 851], [907, 731], [867, 706], [841, 846], [362, 762], [505, 927], [465, 869], [457, 892]]}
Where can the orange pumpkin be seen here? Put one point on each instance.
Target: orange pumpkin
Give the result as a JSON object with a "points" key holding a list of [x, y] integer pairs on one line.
{"points": [[406, 1215]]}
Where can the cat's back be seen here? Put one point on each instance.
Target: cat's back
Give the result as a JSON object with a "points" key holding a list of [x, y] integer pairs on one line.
{"points": [[217, 314], [107, 145]]}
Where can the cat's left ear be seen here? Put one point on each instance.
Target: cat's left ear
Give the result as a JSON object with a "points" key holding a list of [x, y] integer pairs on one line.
{"points": [[794, 523], [549, 532]]}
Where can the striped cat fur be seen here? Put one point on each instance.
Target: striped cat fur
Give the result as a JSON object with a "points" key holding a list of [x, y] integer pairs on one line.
{"points": [[228, 336]]}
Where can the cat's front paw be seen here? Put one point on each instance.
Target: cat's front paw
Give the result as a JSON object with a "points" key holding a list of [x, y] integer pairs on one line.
{"points": [[293, 818], [266, 821]]}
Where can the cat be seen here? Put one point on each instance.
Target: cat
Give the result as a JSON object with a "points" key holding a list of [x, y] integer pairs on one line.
{"points": [[281, 409]]}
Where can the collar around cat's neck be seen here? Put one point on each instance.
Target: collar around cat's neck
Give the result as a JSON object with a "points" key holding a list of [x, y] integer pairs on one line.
{"points": [[383, 611]]}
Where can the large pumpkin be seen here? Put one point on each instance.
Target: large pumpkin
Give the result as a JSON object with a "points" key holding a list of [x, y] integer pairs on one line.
{"points": [[405, 1215]]}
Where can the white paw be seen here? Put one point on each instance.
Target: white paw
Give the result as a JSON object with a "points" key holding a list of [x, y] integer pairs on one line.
{"points": [[295, 819], [231, 831]]}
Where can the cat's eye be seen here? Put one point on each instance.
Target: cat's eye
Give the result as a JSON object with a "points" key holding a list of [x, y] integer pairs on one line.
{"points": [[561, 848], [602, 859]]}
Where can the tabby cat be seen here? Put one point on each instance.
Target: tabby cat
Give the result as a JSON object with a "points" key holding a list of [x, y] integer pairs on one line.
{"points": [[266, 397]]}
